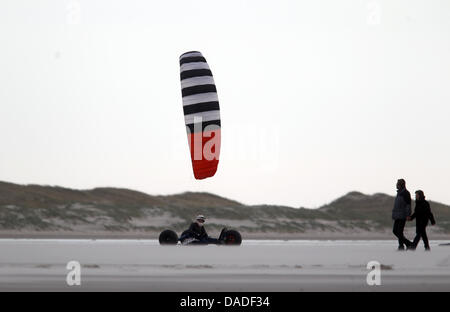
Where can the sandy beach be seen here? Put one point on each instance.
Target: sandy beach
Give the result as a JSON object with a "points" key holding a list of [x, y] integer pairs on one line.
{"points": [[348, 235], [257, 265]]}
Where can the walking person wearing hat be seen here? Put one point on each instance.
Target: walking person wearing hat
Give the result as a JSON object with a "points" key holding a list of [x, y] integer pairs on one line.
{"points": [[423, 215]]}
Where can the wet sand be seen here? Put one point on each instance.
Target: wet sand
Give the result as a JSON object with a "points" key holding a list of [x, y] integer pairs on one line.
{"points": [[143, 265]]}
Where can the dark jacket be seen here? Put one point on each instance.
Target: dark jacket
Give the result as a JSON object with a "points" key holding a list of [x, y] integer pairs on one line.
{"points": [[197, 231], [402, 206], [422, 214]]}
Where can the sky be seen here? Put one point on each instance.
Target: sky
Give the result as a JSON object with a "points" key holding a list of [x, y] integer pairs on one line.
{"points": [[318, 98]]}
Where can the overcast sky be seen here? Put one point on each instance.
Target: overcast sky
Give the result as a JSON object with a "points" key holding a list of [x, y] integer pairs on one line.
{"points": [[318, 98]]}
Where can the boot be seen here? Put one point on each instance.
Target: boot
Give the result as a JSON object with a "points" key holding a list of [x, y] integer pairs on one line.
{"points": [[222, 234]]}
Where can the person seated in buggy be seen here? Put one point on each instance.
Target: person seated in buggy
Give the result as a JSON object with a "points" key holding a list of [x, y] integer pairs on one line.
{"points": [[196, 234]]}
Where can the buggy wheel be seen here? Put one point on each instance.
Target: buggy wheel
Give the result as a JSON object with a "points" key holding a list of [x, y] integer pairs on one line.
{"points": [[232, 237], [168, 237]]}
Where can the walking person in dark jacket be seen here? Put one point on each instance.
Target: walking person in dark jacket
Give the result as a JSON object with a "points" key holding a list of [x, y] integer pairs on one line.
{"points": [[400, 213], [423, 215]]}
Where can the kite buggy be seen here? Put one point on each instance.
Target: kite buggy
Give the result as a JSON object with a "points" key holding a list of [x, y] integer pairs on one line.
{"points": [[203, 126], [196, 235], [169, 237]]}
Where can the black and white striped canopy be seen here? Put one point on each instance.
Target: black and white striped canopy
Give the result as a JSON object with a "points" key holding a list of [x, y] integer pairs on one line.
{"points": [[200, 101]]}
